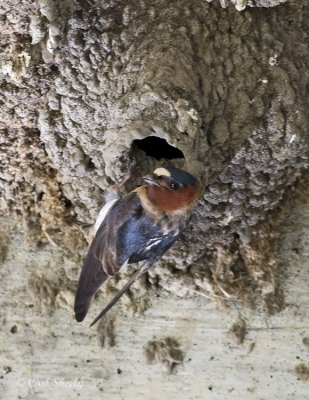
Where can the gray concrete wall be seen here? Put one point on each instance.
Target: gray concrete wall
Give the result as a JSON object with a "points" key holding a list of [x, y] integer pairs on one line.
{"points": [[225, 314]]}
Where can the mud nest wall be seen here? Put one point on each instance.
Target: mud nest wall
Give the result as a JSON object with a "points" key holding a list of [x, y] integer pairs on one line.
{"points": [[81, 82]]}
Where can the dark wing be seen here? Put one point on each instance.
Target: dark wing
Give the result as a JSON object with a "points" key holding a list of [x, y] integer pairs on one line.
{"points": [[102, 259], [141, 236], [91, 278]]}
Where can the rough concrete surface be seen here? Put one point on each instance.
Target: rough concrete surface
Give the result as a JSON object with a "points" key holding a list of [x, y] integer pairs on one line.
{"points": [[83, 86]]}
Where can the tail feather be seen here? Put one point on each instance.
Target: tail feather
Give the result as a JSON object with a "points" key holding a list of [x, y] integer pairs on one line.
{"points": [[114, 300]]}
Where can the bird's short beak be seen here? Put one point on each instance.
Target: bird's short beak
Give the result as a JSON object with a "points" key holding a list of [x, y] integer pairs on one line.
{"points": [[151, 180]]}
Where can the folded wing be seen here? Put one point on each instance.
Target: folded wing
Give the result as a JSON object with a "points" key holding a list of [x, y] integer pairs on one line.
{"points": [[102, 260]]}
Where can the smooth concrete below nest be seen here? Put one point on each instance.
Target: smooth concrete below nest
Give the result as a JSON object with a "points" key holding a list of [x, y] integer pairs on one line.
{"points": [[60, 359]]}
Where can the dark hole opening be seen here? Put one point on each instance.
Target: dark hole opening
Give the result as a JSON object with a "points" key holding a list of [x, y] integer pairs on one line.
{"points": [[158, 148]]}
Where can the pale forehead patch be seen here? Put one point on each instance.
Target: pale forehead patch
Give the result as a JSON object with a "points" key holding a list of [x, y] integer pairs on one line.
{"points": [[161, 172]]}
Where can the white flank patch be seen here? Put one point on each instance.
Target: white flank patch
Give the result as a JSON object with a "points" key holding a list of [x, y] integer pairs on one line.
{"points": [[152, 242], [102, 214]]}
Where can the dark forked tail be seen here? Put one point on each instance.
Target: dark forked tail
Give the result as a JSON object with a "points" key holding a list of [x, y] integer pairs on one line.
{"points": [[114, 300]]}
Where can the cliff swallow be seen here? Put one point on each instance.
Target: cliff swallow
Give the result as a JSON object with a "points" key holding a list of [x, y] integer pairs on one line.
{"points": [[140, 226]]}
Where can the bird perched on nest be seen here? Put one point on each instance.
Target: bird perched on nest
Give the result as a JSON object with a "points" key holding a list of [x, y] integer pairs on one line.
{"points": [[140, 226]]}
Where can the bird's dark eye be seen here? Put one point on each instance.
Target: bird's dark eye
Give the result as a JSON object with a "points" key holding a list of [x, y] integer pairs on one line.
{"points": [[173, 185]]}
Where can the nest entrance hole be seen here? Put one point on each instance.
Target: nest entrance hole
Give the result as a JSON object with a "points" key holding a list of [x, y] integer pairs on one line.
{"points": [[157, 148]]}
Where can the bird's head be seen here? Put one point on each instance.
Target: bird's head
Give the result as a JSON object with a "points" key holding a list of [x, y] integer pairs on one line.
{"points": [[172, 189]]}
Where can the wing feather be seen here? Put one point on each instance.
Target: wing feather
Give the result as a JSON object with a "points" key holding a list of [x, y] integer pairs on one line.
{"points": [[91, 278], [102, 260]]}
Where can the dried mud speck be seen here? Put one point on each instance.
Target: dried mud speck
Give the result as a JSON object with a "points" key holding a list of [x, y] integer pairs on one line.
{"points": [[106, 331], [13, 329], [238, 330], [42, 290], [4, 241], [166, 351], [306, 341], [302, 371]]}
